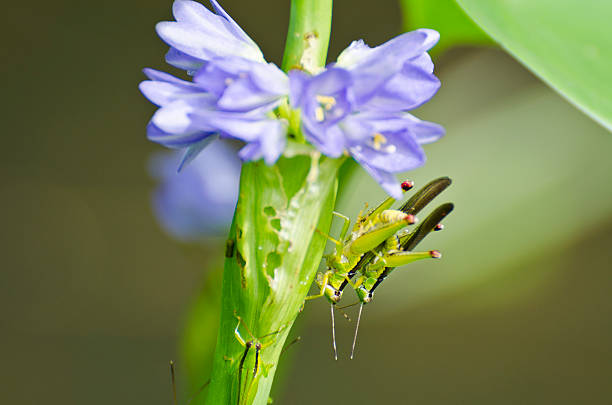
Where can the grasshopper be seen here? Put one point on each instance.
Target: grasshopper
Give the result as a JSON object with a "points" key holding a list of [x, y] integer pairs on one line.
{"points": [[368, 232], [396, 252], [253, 343], [371, 244]]}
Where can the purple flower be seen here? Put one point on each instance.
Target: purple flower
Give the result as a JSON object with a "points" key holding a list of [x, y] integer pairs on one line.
{"points": [[358, 105], [200, 200], [199, 35], [232, 92]]}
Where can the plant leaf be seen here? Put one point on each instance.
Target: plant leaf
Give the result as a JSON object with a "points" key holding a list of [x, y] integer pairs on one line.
{"points": [[446, 17], [566, 43]]}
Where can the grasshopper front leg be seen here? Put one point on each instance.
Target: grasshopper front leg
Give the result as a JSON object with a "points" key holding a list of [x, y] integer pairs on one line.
{"points": [[323, 283]]}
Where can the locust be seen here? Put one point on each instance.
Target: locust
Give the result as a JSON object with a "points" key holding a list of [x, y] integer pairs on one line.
{"points": [[369, 231], [397, 252], [375, 245]]}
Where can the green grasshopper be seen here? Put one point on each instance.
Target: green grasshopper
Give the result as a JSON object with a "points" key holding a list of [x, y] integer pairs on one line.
{"points": [[396, 252], [368, 232], [253, 343], [412, 207], [370, 241]]}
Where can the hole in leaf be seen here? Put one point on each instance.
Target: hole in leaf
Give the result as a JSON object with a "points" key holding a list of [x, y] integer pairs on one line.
{"points": [[240, 260], [269, 211], [273, 261], [276, 224]]}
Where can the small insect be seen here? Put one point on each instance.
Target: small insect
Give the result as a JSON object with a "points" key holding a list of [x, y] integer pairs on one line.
{"points": [[374, 245], [248, 345], [255, 343]]}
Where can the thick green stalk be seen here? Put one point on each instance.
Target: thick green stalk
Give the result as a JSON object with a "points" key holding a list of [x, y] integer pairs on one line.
{"points": [[272, 260], [308, 35], [273, 249]]}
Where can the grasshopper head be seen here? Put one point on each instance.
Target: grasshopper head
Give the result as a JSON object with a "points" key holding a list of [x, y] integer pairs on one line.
{"points": [[364, 295], [333, 294]]}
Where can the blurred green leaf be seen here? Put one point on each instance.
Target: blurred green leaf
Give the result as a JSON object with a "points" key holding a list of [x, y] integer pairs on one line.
{"points": [[566, 43], [446, 17]]}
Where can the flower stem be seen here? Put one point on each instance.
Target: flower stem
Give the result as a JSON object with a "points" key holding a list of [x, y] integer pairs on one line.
{"points": [[273, 250], [308, 35], [274, 255]]}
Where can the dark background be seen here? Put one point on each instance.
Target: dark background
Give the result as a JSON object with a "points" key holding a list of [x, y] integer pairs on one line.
{"points": [[94, 294]]}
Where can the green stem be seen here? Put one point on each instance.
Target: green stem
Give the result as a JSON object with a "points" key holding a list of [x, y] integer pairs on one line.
{"points": [[275, 250], [270, 269], [308, 35]]}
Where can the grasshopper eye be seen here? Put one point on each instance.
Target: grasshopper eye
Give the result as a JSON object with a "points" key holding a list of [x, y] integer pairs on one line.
{"points": [[407, 185]]}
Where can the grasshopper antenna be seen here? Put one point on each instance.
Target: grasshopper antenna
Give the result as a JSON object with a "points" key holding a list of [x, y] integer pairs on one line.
{"points": [[344, 314], [356, 330], [173, 381], [348, 306], [288, 345], [198, 392], [331, 306]]}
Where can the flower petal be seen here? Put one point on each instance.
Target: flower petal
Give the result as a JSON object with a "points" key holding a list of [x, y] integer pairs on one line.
{"points": [[237, 125], [371, 68], [268, 147], [425, 131], [386, 180], [156, 135], [270, 78], [181, 60], [232, 24], [329, 140], [195, 13], [406, 90], [164, 77], [175, 118], [163, 93], [423, 61], [200, 200], [400, 152], [243, 95], [204, 42], [194, 150]]}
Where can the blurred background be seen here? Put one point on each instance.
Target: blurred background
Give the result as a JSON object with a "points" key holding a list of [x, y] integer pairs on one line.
{"points": [[95, 295]]}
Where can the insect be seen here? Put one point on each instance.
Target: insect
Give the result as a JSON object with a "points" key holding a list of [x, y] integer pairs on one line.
{"points": [[374, 245], [255, 343], [396, 252], [368, 232]]}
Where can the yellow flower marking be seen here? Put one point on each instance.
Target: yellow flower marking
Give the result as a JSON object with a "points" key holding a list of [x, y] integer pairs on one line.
{"points": [[378, 141], [326, 103]]}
